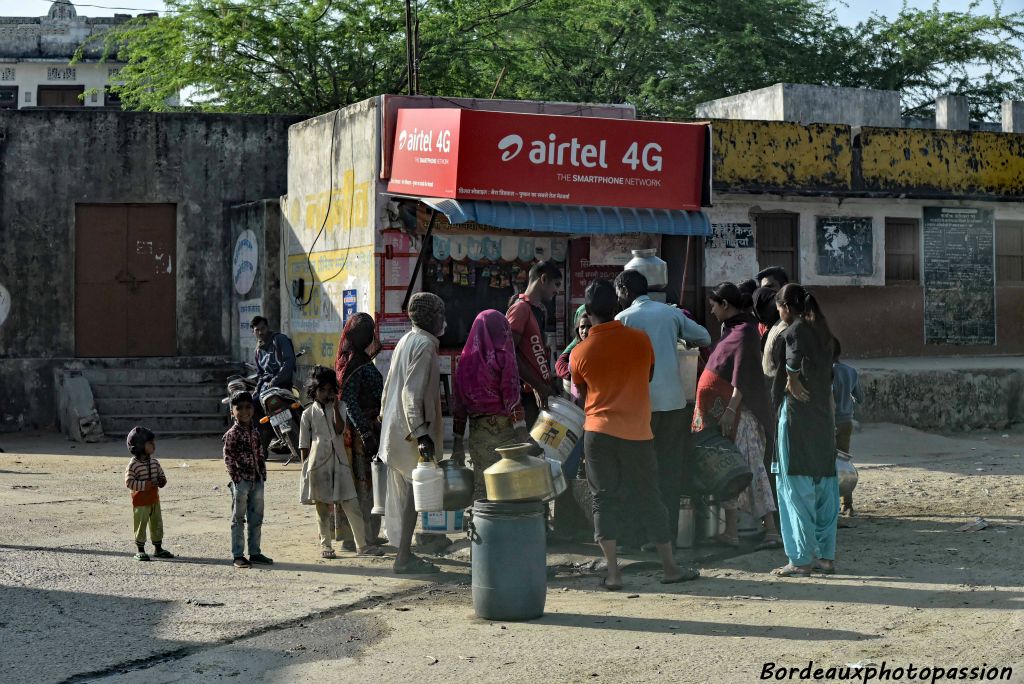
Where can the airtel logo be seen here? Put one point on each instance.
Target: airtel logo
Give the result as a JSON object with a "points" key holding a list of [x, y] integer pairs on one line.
{"points": [[510, 146], [401, 139]]}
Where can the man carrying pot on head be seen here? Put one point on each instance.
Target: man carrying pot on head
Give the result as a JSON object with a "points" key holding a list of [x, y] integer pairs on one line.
{"points": [[666, 326], [527, 315], [411, 422]]}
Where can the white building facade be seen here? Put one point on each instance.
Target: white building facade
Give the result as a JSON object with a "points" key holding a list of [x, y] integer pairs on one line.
{"points": [[35, 56]]}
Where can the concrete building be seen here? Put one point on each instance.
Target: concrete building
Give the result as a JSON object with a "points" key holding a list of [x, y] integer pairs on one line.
{"points": [[861, 212], [116, 254], [35, 56]]}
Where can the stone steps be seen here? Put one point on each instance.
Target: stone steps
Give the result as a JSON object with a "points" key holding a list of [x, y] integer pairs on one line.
{"points": [[177, 396]]}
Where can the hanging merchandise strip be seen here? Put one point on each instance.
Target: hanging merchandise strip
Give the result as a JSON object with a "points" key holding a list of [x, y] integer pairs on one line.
{"points": [[498, 248]]}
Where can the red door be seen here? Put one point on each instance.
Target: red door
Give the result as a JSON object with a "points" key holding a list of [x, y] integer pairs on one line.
{"points": [[125, 265]]}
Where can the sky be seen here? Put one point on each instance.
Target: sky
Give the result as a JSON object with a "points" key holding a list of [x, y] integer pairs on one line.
{"points": [[849, 12]]}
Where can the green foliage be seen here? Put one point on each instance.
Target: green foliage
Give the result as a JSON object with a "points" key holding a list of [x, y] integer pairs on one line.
{"points": [[664, 56]]}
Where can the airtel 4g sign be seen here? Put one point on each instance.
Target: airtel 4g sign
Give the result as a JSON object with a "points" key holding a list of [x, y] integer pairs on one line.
{"points": [[471, 154]]}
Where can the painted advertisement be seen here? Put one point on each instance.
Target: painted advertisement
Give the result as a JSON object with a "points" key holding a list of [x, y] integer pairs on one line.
{"points": [[549, 159], [245, 262], [730, 236], [247, 310], [959, 276]]}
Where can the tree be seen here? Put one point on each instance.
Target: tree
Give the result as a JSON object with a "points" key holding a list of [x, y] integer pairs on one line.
{"points": [[925, 53], [664, 56]]}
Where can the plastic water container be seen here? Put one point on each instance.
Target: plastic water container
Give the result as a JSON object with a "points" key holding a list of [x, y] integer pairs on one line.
{"points": [[557, 477], [509, 560], [558, 428], [428, 487], [687, 523], [688, 360]]}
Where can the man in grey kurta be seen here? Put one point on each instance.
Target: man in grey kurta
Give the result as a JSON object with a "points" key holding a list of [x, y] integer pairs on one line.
{"points": [[411, 421]]}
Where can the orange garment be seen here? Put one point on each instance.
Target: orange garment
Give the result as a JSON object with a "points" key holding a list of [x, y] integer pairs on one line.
{"points": [[615, 364]]}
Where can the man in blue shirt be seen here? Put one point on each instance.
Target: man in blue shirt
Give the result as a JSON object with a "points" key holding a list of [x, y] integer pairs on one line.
{"points": [[670, 421], [275, 357]]}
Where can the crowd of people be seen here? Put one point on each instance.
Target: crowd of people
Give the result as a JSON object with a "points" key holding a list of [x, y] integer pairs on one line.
{"points": [[772, 384]]}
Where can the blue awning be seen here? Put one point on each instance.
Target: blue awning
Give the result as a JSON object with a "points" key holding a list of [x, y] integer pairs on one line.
{"points": [[564, 218]]}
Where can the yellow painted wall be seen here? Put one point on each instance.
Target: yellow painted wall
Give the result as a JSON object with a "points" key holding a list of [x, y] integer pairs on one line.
{"points": [[946, 162], [781, 155]]}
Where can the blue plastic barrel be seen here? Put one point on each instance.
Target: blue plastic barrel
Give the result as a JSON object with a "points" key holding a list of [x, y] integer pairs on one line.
{"points": [[509, 560]]}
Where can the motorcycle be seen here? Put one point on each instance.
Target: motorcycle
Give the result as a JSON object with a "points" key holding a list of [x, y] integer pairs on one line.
{"points": [[282, 410]]}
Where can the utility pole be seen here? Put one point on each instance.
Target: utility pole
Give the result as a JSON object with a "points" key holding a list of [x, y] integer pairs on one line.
{"points": [[410, 58]]}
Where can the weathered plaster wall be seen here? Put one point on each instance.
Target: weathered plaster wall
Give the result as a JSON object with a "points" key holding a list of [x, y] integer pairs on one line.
{"points": [[769, 155], [934, 162], [328, 224], [871, 318], [51, 160]]}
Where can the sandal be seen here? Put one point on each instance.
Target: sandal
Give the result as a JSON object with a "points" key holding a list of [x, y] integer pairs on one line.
{"points": [[790, 570], [687, 575], [608, 586], [770, 541], [371, 550], [141, 556], [328, 553], [163, 553], [417, 566], [824, 569], [726, 540]]}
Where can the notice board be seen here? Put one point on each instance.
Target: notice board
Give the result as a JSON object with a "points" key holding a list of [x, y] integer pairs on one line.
{"points": [[959, 276]]}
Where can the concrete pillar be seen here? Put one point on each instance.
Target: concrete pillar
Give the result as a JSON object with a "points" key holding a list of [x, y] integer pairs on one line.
{"points": [[952, 113], [1013, 116]]}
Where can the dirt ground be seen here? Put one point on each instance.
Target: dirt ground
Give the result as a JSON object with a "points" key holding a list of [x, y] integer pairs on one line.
{"points": [[911, 588]]}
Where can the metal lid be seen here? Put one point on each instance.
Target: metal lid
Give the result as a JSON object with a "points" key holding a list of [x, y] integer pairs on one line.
{"points": [[644, 252]]}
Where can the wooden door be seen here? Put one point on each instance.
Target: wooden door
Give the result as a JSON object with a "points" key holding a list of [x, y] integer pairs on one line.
{"points": [[60, 96], [776, 238], [125, 283]]}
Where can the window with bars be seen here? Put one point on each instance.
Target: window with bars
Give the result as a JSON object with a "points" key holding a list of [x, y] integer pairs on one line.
{"points": [[1010, 252], [9, 97], [902, 256]]}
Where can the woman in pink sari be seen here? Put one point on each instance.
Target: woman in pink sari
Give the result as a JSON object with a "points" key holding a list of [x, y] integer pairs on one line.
{"points": [[487, 396]]}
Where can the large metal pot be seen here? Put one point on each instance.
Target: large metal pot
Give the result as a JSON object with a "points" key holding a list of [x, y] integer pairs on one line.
{"points": [[458, 486], [518, 476], [846, 472], [654, 269]]}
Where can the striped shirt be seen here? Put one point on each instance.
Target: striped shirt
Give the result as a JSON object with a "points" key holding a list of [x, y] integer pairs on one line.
{"points": [[141, 473]]}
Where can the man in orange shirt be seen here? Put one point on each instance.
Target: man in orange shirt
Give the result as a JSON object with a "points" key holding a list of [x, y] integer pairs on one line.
{"points": [[612, 369]]}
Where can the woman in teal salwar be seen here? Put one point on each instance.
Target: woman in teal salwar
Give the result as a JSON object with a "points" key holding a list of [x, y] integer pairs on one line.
{"points": [[808, 490]]}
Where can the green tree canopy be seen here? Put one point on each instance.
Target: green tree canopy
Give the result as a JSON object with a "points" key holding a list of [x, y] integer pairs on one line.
{"points": [[664, 56]]}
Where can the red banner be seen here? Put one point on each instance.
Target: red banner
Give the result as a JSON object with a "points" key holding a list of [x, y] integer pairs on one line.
{"points": [[468, 154]]}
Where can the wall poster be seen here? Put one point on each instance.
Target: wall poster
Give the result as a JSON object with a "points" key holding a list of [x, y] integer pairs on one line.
{"points": [[959, 276], [845, 246]]}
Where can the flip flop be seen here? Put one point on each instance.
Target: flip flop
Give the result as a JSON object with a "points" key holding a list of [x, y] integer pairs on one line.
{"points": [[417, 566], [372, 550], [790, 570], [724, 540], [773, 542], [688, 575], [609, 587], [817, 567]]}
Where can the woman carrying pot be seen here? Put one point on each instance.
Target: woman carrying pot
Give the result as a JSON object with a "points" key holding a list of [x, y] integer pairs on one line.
{"points": [[361, 388], [731, 396], [807, 484], [487, 395]]}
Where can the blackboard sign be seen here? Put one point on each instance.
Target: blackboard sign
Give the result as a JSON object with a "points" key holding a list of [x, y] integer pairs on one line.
{"points": [[959, 276], [845, 246]]}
